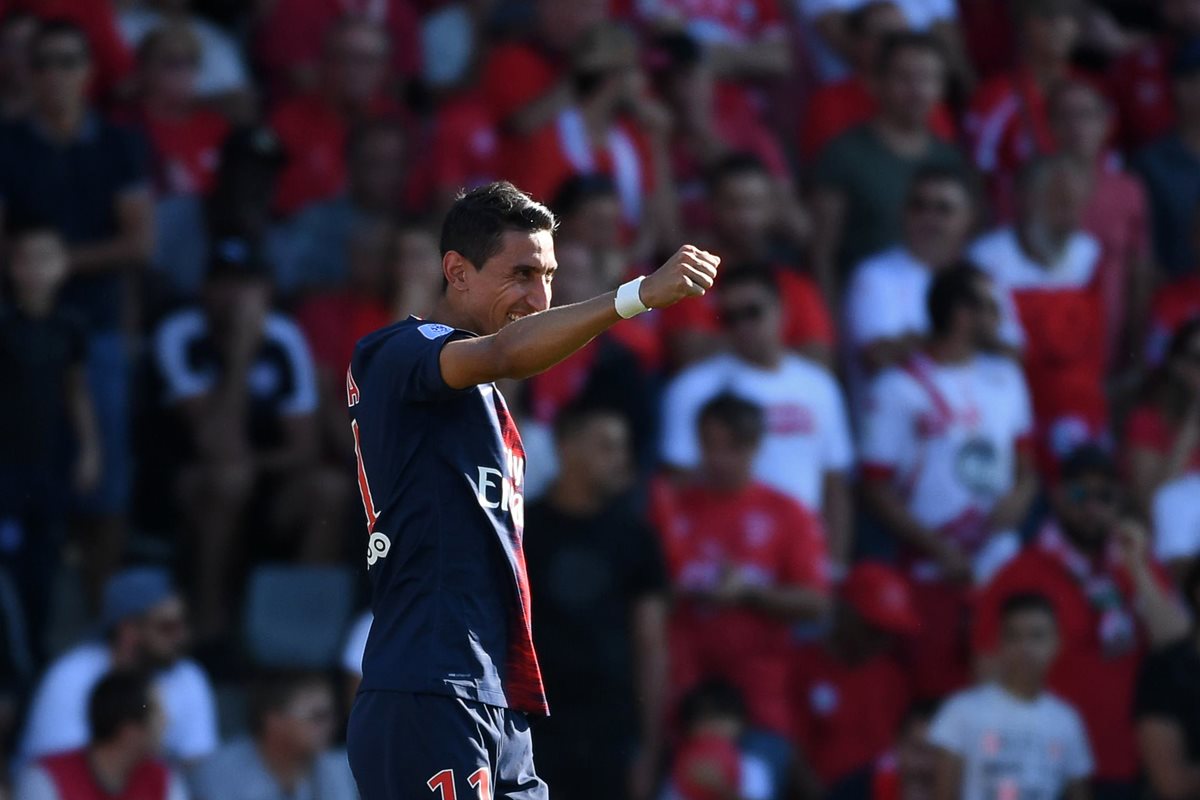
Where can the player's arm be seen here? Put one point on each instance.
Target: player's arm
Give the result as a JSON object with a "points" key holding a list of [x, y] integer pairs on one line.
{"points": [[535, 343]]}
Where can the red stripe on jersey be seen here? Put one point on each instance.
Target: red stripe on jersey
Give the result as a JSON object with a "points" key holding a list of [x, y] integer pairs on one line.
{"points": [[364, 488]]}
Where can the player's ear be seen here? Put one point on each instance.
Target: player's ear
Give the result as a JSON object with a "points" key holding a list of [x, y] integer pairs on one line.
{"points": [[454, 270]]}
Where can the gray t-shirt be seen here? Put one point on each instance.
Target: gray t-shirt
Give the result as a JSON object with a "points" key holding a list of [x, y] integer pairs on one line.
{"points": [[236, 772], [1012, 748]]}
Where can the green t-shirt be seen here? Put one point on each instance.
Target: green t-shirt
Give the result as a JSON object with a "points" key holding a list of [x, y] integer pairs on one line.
{"points": [[875, 181]]}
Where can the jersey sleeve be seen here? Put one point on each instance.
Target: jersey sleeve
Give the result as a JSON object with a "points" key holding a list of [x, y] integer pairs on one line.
{"points": [[871, 314], [412, 360], [35, 784], [888, 430], [1077, 755]]}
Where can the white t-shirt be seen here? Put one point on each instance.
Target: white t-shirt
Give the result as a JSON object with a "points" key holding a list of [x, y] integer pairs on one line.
{"points": [[356, 644], [1012, 748], [949, 434], [999, 254], [921, 14], [1177, 519], [886, 298], [807, 431], [34, 783], [58, 715]]}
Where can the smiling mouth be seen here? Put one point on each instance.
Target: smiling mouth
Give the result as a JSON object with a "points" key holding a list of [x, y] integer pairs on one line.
{"points": [[515, 317]]}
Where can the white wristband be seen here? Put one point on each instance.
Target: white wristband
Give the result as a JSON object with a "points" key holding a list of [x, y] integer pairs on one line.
{"points": [[629, 298]]}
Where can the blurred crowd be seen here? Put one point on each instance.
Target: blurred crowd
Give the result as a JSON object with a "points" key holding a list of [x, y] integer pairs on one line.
{"points": [[907, 507]]}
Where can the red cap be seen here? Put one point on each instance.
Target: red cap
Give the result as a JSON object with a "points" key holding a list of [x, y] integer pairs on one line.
{"points": [[881, 596]]}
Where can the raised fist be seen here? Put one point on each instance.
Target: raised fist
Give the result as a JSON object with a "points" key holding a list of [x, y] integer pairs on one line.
{"points": [[688, 273]]}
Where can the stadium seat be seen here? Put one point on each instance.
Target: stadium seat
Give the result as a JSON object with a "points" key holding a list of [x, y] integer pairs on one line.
{"points": [[296, 616]]}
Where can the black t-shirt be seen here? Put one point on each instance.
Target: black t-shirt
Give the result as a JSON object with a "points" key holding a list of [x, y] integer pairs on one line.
{"points": [[1169, 688], [35, 357], [585, 575]]}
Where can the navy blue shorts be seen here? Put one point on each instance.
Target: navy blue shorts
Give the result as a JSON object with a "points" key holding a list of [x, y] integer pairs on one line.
{"points": [[405, 746]]}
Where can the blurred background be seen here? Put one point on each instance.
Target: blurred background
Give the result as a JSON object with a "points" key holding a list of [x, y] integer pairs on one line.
{"points": [[953, 358]]}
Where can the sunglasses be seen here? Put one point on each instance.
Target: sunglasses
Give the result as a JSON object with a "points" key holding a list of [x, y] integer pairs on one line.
{"points": [[58, 61], [736, 316], [1080, 495]]}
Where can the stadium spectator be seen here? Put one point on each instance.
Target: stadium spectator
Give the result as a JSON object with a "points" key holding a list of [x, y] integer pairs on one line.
{"points": [[314, 126], [1167, 709], [806, 450], [745, 561], [907, 772], [144, 628], [885, 313], [1117, 214], [219, 69], [121, 759], [42, 356], [66, 167], [1008, 123], [706, 128], [289, 752], [599, 586], [947, 467], [1170, 168], [1010, 736], [465, 146], [1140, 81], [849, 692], [17, 29], [1162, 437], [838, 106], [185, 138], [612, 126], [711, 763], [239, 382], [1051, 269], [1112, 602], [293, 46], [745, 213], [310, 251], [863, 175], [1175, 303]]}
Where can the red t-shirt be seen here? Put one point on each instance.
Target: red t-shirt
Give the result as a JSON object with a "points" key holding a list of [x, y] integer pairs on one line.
{"points": [[1149, 429], [73, 778], [839, 106], [728, 20], [111, 57], [768, 539], [845, 716], [1174, 305], [313, 135], [186, 151], [516, 74], [1100, 686], [715, 752], [1140, 85], [293, 34], [806, 319], [466, 148], [333, 323]]}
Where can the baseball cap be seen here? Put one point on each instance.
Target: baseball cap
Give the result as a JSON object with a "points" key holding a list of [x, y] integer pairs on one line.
{"points": [[132, 592], [881, 596], [1187, 59]]}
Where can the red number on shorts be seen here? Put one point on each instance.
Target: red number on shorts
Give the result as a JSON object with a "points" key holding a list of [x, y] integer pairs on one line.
{"points": [[364, 488], [482, 781], [443, 783]]}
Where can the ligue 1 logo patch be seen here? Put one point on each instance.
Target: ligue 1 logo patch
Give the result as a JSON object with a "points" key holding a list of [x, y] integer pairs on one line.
{"points": [[434, 330]]}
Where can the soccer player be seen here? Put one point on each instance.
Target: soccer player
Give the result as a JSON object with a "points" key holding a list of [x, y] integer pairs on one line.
{"points": [[450, 673]]}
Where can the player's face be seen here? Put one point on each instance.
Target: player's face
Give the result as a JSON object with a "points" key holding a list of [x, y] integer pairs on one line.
{"points": [[164, 633], [752, 317], [745, 209], [357, 62], [937, 220], [1053, 35], [1081, 121], [727, 461], [1087, 508], [62, 70], [913, 86], [310, 721], [1028, 645], [514, 283]]}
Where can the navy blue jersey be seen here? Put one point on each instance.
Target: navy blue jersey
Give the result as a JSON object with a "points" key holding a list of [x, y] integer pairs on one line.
{"points": [[441, 473]]}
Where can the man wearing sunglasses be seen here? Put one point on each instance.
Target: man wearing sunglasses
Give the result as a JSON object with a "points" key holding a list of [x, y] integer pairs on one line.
{"points": [[1112, 602]]}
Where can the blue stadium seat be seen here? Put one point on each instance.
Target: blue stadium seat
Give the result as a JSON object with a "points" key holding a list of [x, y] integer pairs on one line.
{"points": [[296, 616]]}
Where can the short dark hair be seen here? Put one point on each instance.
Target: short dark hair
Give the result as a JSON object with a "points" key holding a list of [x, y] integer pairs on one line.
{"points": [[712, 697], [1023, 602], [734, 165], [942, 173], [953, 288], [578, 190], [273, 691], [576, 416], [895, 43], [53, 28], [479, 218], [121, 697], [745, 418]]}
